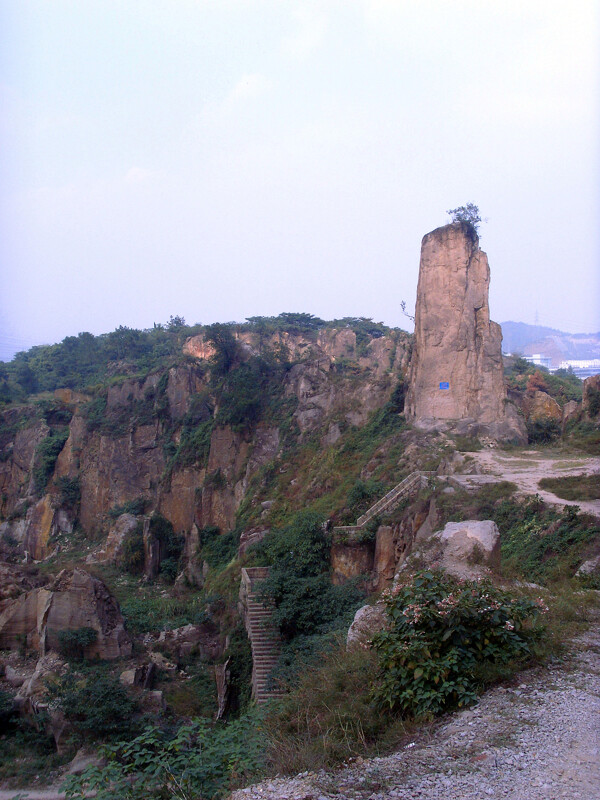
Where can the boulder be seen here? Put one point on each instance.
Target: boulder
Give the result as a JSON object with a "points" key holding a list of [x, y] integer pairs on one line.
{"points": [[466, 550], [142, 676], [539, 405], [14, 677], [74, 600], [181, 642], [587, 568], [112, 551], [571, 411], [456, 371], [367, 621]]}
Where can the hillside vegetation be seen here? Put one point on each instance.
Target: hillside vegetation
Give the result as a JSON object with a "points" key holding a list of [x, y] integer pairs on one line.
{"points": [[165, 461]]}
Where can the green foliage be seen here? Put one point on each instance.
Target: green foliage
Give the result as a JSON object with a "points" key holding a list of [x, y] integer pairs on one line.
{"points": [[292, 322], [73, 642], [26, 752], [239, 655], [197, 760], [45, 457], [540, 543], [226, 348], [584, 436], [440, 632], [136, 507], [298, 583], [573, 487], [95, 703], [467, 214], [6, 706], [543, 431], [218, 549], [70, 491], [82, 361], [197, 428], [151, 612], [593, 401], [329, 716], [564, 386], [133, 555], [363, 494]]}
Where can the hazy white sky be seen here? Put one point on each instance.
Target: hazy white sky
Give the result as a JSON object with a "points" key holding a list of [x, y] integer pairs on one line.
{"points": [[218, 159]]}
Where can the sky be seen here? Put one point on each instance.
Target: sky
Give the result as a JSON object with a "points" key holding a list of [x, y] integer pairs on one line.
{"points": [[220, 159]]}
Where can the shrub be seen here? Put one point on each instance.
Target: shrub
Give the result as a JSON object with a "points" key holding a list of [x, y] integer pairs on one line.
{"points": [[440, 631], [593, 401], [95, 703], [196, 761], [299, 584], [540, 543], [573, 487], [133, 557], [218, 549], [46, 454], [70, 491], [543, 431], [72, 643], [136, 507]]}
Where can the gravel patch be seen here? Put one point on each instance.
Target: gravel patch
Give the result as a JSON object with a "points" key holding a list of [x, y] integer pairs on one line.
{"points": [[539, 740]]}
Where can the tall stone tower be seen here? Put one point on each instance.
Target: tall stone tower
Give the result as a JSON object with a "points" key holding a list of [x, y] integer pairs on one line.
{"points": [[456, 375]]}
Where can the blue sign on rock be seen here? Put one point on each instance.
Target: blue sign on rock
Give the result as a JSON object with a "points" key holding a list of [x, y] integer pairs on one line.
{"points": [[444, 385]]}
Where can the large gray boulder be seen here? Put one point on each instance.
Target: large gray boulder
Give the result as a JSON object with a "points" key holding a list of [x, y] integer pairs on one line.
{"points": [[368, 621], [468, 550]]}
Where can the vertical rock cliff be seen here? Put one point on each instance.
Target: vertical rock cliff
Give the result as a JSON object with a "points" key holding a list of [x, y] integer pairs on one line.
{"points": [[456, 375]]}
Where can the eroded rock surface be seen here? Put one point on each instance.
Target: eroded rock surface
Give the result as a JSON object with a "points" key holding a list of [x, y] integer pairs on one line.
{"points": [[466, 549], [75, 599], [456, 371]]}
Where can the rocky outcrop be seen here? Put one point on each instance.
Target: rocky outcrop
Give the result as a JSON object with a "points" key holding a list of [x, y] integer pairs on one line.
{"points": [[367, 621], [468, 549], [112, 551], [18, 455], [591, 397], [180, 643], [539, 405], [351, 557], [34, 533], [73, 600], [456, 372]]}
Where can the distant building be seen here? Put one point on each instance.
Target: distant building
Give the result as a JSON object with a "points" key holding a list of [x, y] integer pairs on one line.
{"points": [[539, 360], [582, 367]]}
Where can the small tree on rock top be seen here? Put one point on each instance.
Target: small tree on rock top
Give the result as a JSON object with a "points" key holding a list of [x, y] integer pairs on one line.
{"points": [[468, 214]]}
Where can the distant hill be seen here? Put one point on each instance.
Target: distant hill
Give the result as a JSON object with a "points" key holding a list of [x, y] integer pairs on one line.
{"points": [[518, 337]]}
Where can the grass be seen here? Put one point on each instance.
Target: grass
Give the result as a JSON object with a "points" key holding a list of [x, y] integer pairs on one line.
{"points": [[573, 487], [330, 717]]}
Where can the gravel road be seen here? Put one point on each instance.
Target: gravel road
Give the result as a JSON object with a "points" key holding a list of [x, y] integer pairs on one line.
{"points": [[539, 740]]}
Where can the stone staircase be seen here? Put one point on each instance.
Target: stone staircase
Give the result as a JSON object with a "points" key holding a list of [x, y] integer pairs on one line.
{"points": [[391, 500], [263, 635]]}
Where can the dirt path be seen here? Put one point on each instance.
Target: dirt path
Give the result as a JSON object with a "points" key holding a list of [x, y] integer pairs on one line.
{"points": [[539, 740], [527, 467]]}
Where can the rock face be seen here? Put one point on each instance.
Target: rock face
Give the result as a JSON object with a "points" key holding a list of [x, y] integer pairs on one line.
{"points": [[463, 549], [74, 600], [539, 405], [456, 373], [591, 397]]}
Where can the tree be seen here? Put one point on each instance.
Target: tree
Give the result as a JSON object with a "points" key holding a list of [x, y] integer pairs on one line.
{"points": [[468, 214]]}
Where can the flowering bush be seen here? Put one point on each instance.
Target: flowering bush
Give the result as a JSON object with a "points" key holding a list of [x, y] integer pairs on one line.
{"points": [[440, 631]]}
